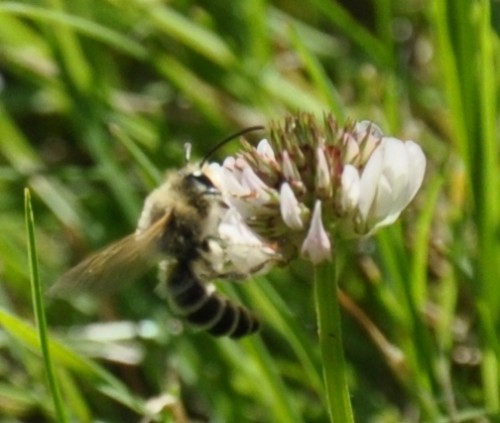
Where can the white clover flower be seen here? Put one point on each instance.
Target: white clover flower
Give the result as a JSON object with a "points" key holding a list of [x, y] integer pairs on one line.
{"points": [[309, 182]]}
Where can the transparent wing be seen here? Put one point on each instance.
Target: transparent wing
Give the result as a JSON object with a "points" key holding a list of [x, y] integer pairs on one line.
{"points": [[109, 269]]}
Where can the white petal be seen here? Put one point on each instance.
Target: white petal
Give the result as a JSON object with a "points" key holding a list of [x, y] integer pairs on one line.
{"points": [[405, 168], [265, 150], [289, 169], [232, 186], [289, 207], [250, 180], [350, 188], [245, 253], [240, 163], [233, 229], [369, 182], [392, 190], [390, 180], [317, 246], [323, 183], [229, 162]]}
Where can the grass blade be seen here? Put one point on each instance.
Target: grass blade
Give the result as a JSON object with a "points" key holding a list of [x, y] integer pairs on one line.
{"points": [[38, 307]]}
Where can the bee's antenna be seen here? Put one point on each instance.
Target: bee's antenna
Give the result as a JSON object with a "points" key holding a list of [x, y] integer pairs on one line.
{"points": [[229, 138]]}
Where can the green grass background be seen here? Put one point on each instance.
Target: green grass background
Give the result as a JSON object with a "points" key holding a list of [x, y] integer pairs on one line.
{"points": [[97, 98]]}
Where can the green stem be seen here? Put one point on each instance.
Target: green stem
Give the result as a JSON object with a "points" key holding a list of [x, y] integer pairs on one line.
{"points": [[330, 338]]}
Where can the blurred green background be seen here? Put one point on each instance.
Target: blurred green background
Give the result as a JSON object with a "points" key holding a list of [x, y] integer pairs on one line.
{"points": [[97, 98]]}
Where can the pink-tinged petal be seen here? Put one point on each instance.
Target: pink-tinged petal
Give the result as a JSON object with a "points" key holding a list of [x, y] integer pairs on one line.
{"points": [[350, 189], [250, 179], [289, 170], [257, 187], [317, 246], [229, 162], [265, 150], [240, 163], [232, 186], [289, 207], [323, 179], [235, 166]]}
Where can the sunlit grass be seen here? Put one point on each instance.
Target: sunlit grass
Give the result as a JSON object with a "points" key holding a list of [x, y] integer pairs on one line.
{"points": [[96, 102]]}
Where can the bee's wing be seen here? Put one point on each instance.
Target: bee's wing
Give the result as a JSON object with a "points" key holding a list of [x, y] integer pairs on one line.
{"points": [[119, 263]]}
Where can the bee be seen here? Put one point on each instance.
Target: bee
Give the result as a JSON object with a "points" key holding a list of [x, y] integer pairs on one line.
{"points": [[178, 228]]}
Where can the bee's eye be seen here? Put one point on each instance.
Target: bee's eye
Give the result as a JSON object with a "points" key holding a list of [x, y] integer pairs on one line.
{"points": [[203, 179], [204, 182]]}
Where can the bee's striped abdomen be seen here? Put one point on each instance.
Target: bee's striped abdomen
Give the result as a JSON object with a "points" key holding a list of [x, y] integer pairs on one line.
{"points": [[193, 300]]}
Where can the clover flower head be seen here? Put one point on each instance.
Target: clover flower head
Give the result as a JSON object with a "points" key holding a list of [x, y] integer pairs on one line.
{"points": [[313, 181]]}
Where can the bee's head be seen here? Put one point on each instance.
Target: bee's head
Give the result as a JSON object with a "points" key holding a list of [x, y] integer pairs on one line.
{"points": [[196, 179]]}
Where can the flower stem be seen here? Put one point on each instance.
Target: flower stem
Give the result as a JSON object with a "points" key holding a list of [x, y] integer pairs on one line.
{"points": [[330, 338]]}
